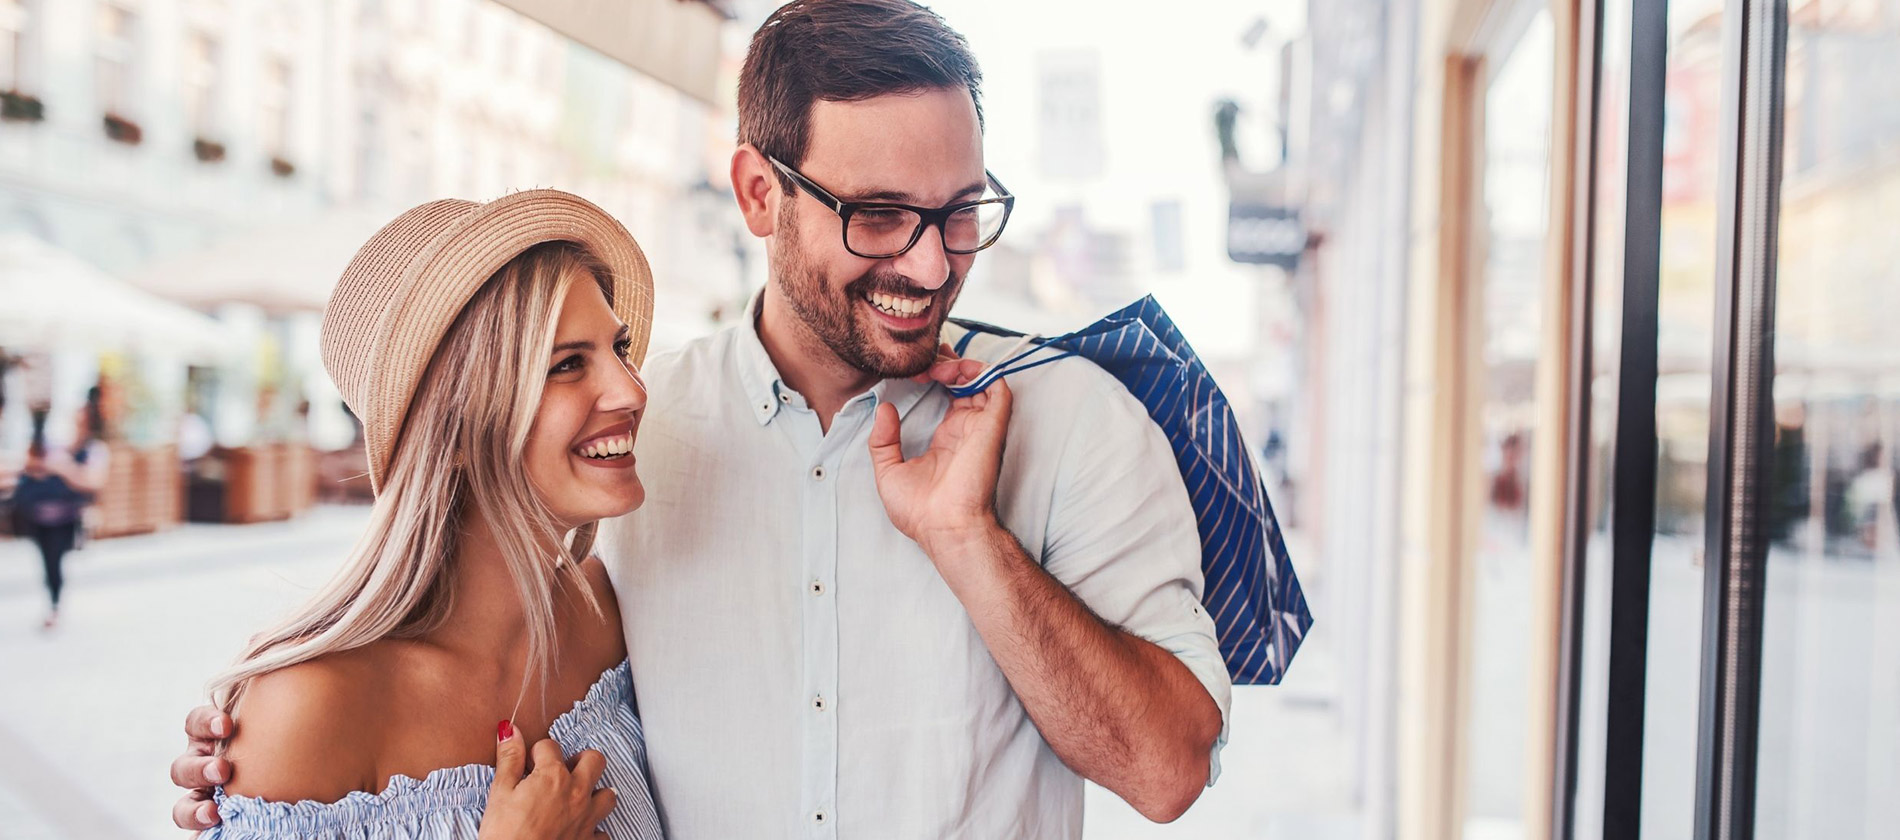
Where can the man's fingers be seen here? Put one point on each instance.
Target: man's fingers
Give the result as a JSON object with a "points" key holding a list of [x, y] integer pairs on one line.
{"points": [[206, 723], [968, 370], [955, 372], [1000, 398], [588, 765], [887, 440], [511, 756], [193, 812], [200, 771]]}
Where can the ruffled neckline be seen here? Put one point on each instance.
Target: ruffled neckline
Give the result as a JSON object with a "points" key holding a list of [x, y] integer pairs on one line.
{"points": [[465, 786]]}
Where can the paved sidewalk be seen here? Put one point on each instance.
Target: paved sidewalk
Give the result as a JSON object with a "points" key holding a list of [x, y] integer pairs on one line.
{"points": [[90, 714]]}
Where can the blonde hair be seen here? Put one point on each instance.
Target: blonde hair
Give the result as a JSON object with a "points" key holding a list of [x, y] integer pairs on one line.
{"points": [[461, 445]]}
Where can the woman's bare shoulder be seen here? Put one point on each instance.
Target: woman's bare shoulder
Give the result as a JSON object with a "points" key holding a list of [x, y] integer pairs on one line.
{"points": [[308, 731]]}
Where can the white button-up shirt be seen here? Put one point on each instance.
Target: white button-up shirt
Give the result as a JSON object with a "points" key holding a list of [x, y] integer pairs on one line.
{"points": [[802, 671]]}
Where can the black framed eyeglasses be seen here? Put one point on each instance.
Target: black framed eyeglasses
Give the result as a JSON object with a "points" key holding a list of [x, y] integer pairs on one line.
{"points": [[880, 230]]}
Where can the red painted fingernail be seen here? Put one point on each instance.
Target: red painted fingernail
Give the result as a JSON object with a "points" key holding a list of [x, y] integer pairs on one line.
{"points": [[504, 730]]}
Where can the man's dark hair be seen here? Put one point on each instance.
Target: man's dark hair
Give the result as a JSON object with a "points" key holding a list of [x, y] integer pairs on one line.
{"points": [[843, 51]]}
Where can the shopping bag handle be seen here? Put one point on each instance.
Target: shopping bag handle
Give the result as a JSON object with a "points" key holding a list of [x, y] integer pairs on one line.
{"points": [[1010, 362]]}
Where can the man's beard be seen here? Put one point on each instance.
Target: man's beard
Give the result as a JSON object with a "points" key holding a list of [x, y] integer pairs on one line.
{"points": [[833, 316]]}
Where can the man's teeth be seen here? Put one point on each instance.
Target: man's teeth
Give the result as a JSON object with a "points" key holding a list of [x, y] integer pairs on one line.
{"points": [[902, 307], [612, 447]]}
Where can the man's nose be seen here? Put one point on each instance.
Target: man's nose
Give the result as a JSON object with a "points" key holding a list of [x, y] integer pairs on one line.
{"points": [[926, 262]]}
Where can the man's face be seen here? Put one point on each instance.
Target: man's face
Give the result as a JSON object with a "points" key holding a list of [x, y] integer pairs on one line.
{"points": [[884, 316]]}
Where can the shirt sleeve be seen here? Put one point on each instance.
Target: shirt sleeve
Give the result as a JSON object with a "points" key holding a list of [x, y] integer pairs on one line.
{"points": [[1123, 536]]}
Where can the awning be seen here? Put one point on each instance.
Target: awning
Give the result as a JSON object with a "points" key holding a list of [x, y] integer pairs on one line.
{"points": [[675, 42], [287, 267], [49, 298]]}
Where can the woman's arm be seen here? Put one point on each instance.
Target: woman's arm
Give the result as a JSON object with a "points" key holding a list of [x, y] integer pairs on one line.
{"points": [[89, 477]]}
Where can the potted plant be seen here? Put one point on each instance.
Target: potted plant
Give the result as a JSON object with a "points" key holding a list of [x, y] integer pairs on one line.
{"points": [[20, 107], [207, 151], [121, 130], [281, 167]]}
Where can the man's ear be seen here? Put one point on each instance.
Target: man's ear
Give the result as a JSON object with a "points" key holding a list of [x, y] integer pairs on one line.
{"points": [[755, 184]]}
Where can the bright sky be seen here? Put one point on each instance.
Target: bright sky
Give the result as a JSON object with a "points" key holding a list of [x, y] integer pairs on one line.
{"points": [[1162, 70]]}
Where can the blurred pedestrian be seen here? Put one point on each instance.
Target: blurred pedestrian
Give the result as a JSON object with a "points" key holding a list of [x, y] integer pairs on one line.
{"points": [[49, 501], [1869, 496]]}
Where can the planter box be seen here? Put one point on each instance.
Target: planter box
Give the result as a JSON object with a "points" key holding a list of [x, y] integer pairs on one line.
{"points": [[144, 492], [207, 151], [268, 482], [122, 130], [21, 107], [343, 476]]}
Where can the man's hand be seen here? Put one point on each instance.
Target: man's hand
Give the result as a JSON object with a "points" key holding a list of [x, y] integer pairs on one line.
{"points": [[950, 490], [198, 770]]}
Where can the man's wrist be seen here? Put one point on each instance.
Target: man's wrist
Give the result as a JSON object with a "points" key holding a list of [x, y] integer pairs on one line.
{"points": [[951, 538], [979, 560]]}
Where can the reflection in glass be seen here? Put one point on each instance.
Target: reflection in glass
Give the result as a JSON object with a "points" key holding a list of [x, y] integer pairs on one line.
{"points": [[1515, 226], [1829, 757]]}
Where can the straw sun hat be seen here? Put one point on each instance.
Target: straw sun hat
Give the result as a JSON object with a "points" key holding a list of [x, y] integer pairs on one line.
{"points": [[408, 283]]}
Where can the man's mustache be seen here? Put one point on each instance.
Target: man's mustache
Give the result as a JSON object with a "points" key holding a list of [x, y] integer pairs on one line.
{"points": [[899, 285]]}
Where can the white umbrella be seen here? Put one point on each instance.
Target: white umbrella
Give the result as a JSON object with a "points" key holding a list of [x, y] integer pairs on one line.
{"points": [[50, 297]]}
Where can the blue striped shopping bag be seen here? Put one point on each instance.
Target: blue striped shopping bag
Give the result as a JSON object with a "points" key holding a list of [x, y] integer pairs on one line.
{"points": [[1259, 612]]}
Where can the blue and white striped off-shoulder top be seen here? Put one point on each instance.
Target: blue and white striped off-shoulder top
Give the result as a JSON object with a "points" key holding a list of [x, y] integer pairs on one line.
{"points": [[447, 804]]}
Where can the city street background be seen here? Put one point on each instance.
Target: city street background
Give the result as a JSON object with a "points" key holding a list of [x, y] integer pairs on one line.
{"points": [[1382, 224]]}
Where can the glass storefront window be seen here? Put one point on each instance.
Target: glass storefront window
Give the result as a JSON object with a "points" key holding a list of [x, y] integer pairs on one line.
{"points": [[1515, 229], [1830, 696]]}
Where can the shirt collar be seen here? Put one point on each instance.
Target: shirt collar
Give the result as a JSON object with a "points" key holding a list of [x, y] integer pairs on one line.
{"points": [[763, 386], [757, 374]]}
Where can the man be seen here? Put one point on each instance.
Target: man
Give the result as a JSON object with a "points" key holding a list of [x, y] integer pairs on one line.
{"points": [[851, 611]]}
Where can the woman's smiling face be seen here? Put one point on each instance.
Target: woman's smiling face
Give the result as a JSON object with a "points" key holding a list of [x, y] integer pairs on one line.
{"points": [[580, 448]]}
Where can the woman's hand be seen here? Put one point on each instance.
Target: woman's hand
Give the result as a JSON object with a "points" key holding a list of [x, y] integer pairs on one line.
{"points": [[550, 803]]}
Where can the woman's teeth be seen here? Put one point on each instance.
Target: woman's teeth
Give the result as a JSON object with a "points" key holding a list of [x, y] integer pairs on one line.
{"points": [[901, 307], [607, 449]]}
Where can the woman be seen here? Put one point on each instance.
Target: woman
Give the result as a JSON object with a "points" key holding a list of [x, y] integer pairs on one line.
{"points": [[490, 352], [50, 500]]}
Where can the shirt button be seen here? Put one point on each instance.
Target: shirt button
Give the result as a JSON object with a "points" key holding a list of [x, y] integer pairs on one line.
{"points": [[818, 702], [820, 817], [785, 398], [765, 406], [818, 473], [817, 587]]}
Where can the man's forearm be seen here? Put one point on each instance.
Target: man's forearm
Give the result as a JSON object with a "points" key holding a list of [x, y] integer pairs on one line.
{"points": [[1116, 708]]}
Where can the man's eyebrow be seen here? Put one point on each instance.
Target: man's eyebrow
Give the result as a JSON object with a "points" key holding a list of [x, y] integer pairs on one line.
{"points": [[901, 197]]}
